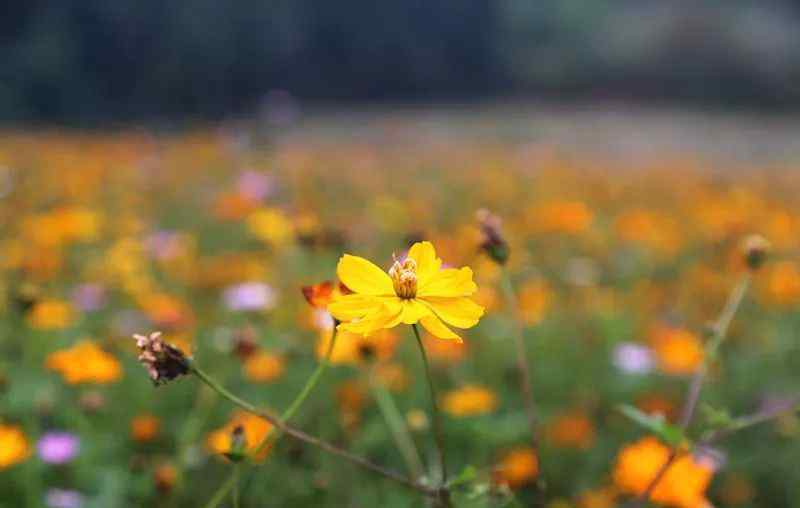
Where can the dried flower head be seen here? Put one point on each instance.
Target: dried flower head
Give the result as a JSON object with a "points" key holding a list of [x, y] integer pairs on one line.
{"points": [[163, 361], [756, 249], [493, 242]]}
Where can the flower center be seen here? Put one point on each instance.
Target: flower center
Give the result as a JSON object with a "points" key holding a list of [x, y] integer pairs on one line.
{"points": [[404, 278]]}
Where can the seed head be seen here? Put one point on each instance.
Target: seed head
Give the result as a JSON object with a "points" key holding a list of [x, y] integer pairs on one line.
{"points": [[163, 361], [493, 243], [756, 249]]}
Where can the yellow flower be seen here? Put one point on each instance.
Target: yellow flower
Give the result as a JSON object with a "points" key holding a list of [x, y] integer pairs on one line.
{"points": [[470, 400], [51, 315], [264, 367], [415, 290], [683, 485], [13, 446], [271, 226], [85, 362], [256, 430]]}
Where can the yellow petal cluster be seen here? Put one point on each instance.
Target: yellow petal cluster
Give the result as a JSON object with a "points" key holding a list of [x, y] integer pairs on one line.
{"points": [[416, 290]]}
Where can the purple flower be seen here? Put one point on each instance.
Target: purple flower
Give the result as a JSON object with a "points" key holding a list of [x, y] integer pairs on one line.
{"points": [[58, 447], [633, 358], [250, 296], [255, 185], [164, 245], [89, 297], [61, 498]]}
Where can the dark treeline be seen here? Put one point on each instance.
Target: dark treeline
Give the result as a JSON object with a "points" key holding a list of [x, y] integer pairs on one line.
{"points": [[93, 60]]}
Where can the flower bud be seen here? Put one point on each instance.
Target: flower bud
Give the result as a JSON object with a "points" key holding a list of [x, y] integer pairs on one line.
{"points": [[493, 242], [756, 249]]}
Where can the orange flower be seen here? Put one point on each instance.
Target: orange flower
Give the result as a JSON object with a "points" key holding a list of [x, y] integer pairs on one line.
{"points": [[572, 430], [51, 315], [14, 446], [263, 367], [679, 351], [517, 468], [683, 485], [145, 428], [357, 349], [598, 498], [783, 283], [469, 400], [571, 217], [256, 431], [85, 362], [351, 397], [534, 298]]}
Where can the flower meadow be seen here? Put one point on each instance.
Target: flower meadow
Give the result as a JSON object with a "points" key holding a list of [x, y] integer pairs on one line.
{"points": [[225, 317]]}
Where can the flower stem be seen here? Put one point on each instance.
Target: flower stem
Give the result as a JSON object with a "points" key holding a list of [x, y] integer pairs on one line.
{"points": [[394, 420], [301, 397], [720, 333], [222, 491], [437, 421], [307, 438], [236, 485], [522, 355]]}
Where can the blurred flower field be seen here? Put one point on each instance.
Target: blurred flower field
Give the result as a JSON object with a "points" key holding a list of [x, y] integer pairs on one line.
{"points": [[615, 282]]}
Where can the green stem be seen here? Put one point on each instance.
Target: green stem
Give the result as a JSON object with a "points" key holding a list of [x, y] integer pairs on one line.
{"points": [[301, 397], [222, 491], [397, 426], [301, 436], [522, 355], [437, 420], [236, 485]]}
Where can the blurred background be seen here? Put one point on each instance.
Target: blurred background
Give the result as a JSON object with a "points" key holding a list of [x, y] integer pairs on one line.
{"points": [[94, 61]]}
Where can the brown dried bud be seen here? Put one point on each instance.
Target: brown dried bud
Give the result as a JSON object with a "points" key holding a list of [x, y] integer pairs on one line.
{"points": [[245, 342], [163, 361], [493, 242], [756, 248], [165, 476]]}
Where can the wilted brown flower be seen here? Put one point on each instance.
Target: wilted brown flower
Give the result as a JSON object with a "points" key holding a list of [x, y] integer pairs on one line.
{"points": [[493, 242], [756, 248], [163, 361]]}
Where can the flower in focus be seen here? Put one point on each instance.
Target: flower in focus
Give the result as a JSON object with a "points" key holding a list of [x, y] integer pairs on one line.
{"points": [[250, 296], [163, 361], [13, 446], [58, 447], [255, 429], [145, 428], [85, 362], [678, 351], [51, 315], [263, 367], [517, 468], [415, 290], [62, 498], [682, 486], [470, 400], [633, 358]]}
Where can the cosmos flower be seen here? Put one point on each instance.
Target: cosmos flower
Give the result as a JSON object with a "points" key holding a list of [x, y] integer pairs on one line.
{"points": [[469, 400], [13, 446], [85, 362], [633, 358], [517, 467], [416, 290], [250, 296], [58, 447], [62, 498]]}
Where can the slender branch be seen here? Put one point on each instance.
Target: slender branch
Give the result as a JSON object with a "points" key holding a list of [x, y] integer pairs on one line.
{"points": [[522, 355], [693, 397], [443, 494], [743, 422], [312, 381], [397, 427], [307, 438]]}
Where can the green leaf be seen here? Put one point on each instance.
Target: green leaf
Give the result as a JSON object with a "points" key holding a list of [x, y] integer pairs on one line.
{"points": [[656, 424], [467, 475]]}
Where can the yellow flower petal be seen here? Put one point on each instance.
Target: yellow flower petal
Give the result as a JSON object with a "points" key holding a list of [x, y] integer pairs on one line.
{"points": [[459, 312], [449, 283], [427, 263], [362, 276], [354, 306], [385, 316], [413, 311], [438, 329]]}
